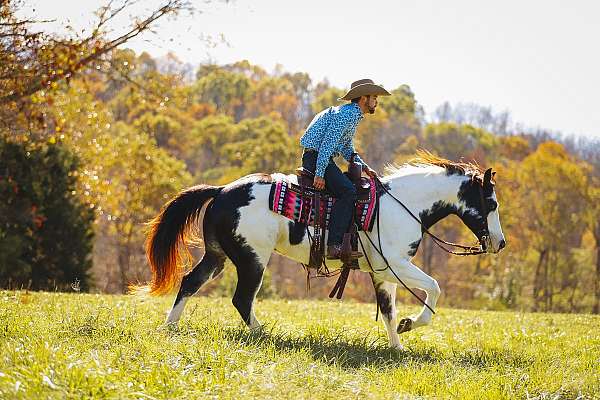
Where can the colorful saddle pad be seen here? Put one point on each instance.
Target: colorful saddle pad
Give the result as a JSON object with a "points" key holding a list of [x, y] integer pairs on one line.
{"points": [[286, 199]]}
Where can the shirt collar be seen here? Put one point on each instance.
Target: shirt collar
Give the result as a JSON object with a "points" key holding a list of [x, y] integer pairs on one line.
{"points": [[357, 108]]}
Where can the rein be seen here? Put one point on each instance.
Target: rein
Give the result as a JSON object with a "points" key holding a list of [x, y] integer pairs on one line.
{"points": [[470, 250], [387, 264]]}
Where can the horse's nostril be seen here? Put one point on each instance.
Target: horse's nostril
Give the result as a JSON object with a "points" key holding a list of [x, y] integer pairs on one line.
{"points": [[502, 244]]}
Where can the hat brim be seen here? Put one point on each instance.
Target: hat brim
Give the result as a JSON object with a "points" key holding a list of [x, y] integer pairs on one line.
{"points": [[366, 89]]}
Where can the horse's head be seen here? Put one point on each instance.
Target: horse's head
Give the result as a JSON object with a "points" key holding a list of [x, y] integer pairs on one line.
{"points": [[479, 211]]}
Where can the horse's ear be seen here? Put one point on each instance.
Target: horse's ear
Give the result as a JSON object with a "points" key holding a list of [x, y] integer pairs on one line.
{"points": [[487, 177]]}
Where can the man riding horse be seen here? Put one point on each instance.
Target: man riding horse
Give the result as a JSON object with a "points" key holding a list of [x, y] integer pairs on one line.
{"points": [[329, 134]]}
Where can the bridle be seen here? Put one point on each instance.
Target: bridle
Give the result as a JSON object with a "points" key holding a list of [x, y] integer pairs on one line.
{"points": [[482, 236], [484, 233]]}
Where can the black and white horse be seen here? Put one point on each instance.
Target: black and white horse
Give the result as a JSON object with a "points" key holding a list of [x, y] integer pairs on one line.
{"points": [[240, 229]]}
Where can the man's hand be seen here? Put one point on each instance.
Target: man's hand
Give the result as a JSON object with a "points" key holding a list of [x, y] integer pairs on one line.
{"points": [[369, 171], [319, 183]]}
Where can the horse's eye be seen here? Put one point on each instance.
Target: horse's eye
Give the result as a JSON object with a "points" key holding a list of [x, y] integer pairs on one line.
{"points": [[492, 205]]}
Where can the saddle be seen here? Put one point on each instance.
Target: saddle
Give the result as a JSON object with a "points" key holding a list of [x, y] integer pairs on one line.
{"points": [[362, 184], [350, 240]]}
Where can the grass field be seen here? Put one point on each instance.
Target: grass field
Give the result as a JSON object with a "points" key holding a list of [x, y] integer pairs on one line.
{"points": [[56, 345]]}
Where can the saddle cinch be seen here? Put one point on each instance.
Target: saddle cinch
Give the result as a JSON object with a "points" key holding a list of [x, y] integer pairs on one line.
{"points": [[320, 202]]}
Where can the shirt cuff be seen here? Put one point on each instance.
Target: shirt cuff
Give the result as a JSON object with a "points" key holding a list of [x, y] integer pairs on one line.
{"points": [[359, 160], [320, 171]]}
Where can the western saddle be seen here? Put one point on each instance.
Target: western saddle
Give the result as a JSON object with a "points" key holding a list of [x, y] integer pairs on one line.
{"points": [[350, 240]]}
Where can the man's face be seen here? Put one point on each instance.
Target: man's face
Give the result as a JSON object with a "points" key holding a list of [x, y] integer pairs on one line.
{"points": [[369, 103]]}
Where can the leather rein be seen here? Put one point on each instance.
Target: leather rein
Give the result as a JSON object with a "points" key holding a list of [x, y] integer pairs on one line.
{"points": [[469, 250]]}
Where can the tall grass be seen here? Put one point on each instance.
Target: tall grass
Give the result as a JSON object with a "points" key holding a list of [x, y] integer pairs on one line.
{"points": [[56, 345]]}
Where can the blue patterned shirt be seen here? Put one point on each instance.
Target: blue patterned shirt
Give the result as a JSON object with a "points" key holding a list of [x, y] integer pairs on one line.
{"points": [[331, 132]]}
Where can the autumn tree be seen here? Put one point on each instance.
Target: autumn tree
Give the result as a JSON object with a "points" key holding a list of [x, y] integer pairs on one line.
{"points": [[33, 61], [46, 231], [555, 186], [35, 66], [227, 91], [125, 175], [276, 95], [327, 98], [229, 150], [589, 150], [456, 141], [381, 135], [594, 221]]}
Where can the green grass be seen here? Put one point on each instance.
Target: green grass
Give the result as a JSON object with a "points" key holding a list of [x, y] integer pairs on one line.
{"points": [[56, 345]]}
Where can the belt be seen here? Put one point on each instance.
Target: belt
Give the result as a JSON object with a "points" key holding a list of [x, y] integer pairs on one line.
{"points": [[311, 151]]}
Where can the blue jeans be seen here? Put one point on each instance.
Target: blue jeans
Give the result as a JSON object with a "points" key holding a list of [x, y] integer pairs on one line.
{"points": [[342, 188]]}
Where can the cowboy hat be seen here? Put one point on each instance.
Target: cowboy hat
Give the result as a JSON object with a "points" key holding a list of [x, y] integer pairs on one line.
{"points": [[364, 87]]}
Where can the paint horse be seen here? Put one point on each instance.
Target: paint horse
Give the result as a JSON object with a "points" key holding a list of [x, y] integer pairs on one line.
{"points": [[239, 229]]}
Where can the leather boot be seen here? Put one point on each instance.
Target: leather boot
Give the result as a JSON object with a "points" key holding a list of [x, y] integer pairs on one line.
{"points": [[334, 252]]}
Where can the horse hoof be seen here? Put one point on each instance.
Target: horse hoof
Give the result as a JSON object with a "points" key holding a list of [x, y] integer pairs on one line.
{"points": [[398, 348], [404, 325]]}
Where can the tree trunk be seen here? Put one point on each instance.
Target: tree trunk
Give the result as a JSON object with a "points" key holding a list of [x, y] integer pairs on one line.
{"points": [[548, 279], [124, 259], [572, 305], [596, 308], [427, 244], [123, 266], [471, 288], [538, 283]]}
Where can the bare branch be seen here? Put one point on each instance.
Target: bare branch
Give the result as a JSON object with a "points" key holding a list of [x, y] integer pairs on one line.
{"points": [[96, 47]]}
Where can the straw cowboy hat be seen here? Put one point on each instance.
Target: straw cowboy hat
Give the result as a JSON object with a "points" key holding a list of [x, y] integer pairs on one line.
{"points": [[364, 87]]}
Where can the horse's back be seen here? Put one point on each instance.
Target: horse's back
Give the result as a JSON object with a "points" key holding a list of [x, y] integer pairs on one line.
{"points": [[241, 209]]}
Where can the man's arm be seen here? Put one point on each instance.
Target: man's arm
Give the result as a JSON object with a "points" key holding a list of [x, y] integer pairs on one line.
{"points": [[347, 151], [333, 134]]}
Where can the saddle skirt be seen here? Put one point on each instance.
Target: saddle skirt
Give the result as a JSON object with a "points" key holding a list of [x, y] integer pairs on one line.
{"points": [[293, 202]]}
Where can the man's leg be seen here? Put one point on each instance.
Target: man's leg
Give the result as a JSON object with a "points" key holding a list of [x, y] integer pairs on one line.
{"points": [[309, 160], [341, 213]]}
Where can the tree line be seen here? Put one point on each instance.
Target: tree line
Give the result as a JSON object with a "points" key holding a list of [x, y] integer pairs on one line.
{"points": [[95, 139]]}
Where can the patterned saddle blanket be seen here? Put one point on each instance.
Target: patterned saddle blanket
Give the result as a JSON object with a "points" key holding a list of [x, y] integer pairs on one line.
{"points": [[287, 198]]}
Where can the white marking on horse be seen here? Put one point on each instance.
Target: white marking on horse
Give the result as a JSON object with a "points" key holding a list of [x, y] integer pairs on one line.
{"points": [[259, 232]]}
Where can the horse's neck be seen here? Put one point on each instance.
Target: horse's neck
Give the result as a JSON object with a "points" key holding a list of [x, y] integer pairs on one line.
{"points": [[430, 194]]}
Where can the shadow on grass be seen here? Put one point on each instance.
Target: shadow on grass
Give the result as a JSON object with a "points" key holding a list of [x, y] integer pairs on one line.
{"points": [[353, 353], [335, 350]]}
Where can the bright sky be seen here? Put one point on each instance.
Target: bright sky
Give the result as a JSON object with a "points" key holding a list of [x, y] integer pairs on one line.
{"points": [[539, 59]]}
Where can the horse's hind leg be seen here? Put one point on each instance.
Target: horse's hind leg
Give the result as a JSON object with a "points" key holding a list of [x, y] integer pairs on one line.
{"points": [[209, 267], [246, 231], [249, 250], [250, 264]]}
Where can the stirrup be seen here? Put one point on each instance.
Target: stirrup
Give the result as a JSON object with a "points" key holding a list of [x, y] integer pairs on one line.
{"points": [[334, 252]]}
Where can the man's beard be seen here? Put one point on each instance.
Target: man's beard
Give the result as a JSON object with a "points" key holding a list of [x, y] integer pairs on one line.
{"points": [[371, 110]]}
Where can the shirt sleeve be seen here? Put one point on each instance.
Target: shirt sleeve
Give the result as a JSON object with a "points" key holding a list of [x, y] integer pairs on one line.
{"points": [[333, 134], [347, 147], [347, 151]]}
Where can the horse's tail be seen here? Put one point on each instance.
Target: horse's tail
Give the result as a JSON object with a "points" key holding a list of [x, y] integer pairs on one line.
{"points": [[168, 233]]}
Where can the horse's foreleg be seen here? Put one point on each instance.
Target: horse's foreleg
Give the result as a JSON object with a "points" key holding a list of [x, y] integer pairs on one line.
{"points": [[386, 300], [414, 277], [209, 267]]}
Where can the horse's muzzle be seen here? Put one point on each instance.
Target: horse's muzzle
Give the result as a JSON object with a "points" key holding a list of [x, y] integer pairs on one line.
{"points": [[484, 242], [489, 245]]}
